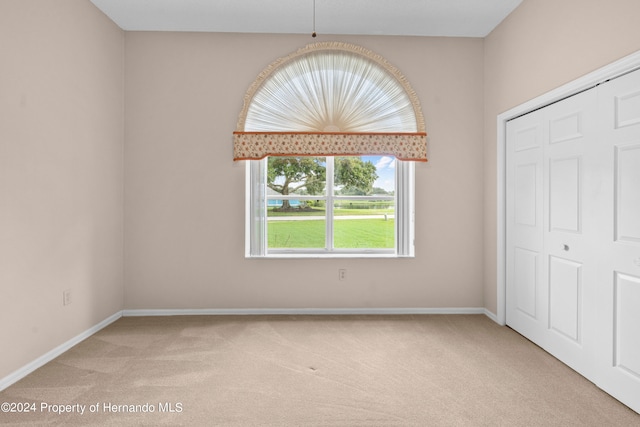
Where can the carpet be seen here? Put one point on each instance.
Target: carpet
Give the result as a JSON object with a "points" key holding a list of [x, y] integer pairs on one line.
{"points": [[409, 370]]}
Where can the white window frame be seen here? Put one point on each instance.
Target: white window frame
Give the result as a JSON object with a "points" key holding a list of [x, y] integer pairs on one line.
{"points": [[256, 198]]}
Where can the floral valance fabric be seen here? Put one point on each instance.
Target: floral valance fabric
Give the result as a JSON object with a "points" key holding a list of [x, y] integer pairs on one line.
{"points": [[258, 145]]}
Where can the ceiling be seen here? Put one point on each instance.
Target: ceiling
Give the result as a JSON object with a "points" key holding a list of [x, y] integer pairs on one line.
{"points": [[446, 18]]}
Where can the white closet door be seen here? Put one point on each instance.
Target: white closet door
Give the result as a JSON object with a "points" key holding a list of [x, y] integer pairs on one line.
{"points": [[550, 268], [619, 250], [570, 226], [526, 293], [573, 233]]}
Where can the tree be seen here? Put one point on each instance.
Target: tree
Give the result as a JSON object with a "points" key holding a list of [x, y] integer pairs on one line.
{"points": [[298, 173], [355, 175], [378, 190], [308, 174]]}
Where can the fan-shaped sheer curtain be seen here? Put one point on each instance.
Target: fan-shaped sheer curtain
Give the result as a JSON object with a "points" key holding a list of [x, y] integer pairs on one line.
{"points": [[330, 99]]}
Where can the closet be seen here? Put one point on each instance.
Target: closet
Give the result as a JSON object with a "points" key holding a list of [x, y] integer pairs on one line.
{"points": [[573, 232]]}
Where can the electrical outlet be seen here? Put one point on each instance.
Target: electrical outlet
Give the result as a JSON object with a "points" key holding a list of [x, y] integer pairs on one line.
{"points": [[342, 274], [66, 297]]}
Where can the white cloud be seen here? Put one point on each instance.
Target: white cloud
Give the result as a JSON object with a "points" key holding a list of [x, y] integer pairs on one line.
{"points": [[386, 162]]}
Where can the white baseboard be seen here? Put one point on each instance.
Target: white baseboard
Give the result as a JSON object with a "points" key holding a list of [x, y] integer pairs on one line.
{"points": [[300, 311], [492, 316], [49, 356]]}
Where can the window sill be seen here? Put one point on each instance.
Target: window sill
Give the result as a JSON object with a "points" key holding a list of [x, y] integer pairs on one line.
{"points": [[325, 256]]}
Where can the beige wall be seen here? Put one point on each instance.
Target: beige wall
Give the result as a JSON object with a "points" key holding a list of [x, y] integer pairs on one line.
{"points": [[61, 197], [184, 196], [542, 45]]}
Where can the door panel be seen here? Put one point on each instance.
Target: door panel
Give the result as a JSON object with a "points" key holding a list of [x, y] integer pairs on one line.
{"points": [[627, 193], [526, 310], [618, 356], [570, 268], [526, 189], [565, 289], [551, 273], [526, 280], [627, 319], [564, 195], [627, 108], [527, 136], [566, 128]]}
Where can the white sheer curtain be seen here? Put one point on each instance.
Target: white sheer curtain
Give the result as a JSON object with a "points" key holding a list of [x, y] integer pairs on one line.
{"points": [[331, 99]]}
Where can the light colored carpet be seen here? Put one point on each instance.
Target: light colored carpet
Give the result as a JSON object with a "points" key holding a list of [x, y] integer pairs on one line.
{"points": [[439, 370]]}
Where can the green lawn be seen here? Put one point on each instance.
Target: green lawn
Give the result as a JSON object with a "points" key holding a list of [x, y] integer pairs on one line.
{"points": [[352, 233]]}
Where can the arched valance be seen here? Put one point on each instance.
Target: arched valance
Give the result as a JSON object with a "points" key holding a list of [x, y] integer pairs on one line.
{"points": [[330, 99]]}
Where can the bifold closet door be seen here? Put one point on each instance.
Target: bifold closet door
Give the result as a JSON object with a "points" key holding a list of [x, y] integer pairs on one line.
{"points": [[619, 246], [526, 293], [573, 233], [550, 223]]}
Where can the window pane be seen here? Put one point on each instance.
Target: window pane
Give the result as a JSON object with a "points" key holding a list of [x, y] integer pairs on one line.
{"points": [[296, 176], [364, 175], [291, 222], [365, 224], [296, 231]]}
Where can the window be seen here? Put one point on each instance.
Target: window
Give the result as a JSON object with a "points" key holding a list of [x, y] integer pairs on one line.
{"points": [[330, 135], [330, 206]]}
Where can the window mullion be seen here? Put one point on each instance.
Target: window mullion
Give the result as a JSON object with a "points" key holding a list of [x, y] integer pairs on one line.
{"points": [[256, 209], [329, 204], [405, 207]]}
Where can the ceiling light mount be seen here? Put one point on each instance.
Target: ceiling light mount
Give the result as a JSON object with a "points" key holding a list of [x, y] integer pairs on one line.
{"points": [[313, 34]]}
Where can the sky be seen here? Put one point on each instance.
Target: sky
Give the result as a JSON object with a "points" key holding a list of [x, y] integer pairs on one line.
{"points": [[386, 170]]}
